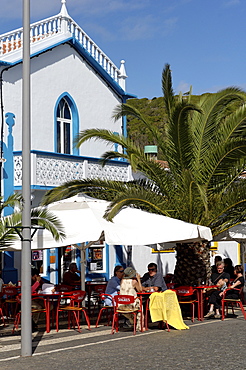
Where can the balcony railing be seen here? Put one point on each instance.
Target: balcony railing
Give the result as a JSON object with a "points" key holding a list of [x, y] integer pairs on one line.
{"points": [[51, 169], [51, 27]]}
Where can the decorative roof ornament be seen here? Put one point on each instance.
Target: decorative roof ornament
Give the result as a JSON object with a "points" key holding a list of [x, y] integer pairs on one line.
{"points": [[122, 75], [64, 11]]}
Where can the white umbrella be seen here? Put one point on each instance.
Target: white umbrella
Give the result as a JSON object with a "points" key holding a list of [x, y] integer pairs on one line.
{"points": [[82, 218], [238, 234]]}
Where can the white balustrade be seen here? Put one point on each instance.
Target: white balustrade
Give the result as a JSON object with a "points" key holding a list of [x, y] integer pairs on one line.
{"points": [[54, 171], [52, 26]]}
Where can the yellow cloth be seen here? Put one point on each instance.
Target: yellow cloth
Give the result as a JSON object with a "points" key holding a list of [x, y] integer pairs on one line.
{"points": [[165, 307]]}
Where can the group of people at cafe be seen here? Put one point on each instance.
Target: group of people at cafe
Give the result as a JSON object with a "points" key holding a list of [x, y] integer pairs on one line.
{"points": [[126, 281]]}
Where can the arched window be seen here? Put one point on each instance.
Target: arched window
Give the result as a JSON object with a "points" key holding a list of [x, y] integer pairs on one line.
{"points": [[66, 125]]}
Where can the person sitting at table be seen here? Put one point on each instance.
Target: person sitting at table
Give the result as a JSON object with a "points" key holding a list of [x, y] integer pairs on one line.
{"points": [[237, 284], [113, 286], [229, 267], [71, 276], [153, 280], [220, 273], [130, 285], [37, 304], [214, 267], [221, 279]]}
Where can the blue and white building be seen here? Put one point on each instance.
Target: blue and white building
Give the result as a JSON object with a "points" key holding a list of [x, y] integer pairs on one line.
{"points": [[74, 86]]}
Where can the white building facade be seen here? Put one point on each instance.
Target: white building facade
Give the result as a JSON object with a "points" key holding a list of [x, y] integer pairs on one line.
{"points": [[74, 86]]}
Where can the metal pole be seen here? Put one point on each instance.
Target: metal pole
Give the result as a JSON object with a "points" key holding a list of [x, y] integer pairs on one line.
{"points": [[26, 327]]}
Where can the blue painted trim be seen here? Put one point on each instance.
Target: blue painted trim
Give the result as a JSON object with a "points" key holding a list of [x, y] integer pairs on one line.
{"points": [[75, 120], [8, 166], [35, 187], [2, 63], [83, 52], [90, 275], [124, 121], [37, 53], [113, 84], [118, 255], [107, 262], [116, 146], [47, 276], [68, 156], [56, 272]]}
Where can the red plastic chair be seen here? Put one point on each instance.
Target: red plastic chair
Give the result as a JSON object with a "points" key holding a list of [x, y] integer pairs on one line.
{"points": [[229, 301], [126, 300], [10, 301], [33, 310], [74, 307], [188, 295], [64, 288], [103, 296], [1, 311]]}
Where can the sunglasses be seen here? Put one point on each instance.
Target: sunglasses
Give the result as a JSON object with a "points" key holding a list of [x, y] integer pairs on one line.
{"points": [[151, 269], [120, 270]]}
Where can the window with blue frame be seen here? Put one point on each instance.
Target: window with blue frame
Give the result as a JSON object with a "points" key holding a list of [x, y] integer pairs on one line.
{"points": [[64, 127]]}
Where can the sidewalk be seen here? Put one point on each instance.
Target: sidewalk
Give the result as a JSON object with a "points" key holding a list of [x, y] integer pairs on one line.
{"points": [[67, 340]]}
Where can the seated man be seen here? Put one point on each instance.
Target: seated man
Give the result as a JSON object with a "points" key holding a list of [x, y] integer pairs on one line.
{"points": [[214, 267], [220, 273], [113, 286], [36, 284], [153, 280], [71, 276], [221, 279]]}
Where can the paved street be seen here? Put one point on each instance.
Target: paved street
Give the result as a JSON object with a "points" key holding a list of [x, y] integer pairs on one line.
{"points": [[211, 344]]}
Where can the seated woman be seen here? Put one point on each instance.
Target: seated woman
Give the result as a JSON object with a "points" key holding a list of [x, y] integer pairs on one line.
{"points": [[238, 283], [221, 279], [129, 285], [37, 304]]}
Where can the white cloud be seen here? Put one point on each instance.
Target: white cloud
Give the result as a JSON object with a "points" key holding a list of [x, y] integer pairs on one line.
{"points": [[138, 28], [104, 7], [229, 3], [111, 19], [104, 33], [183, 87], [12, 9], [169, 25]]}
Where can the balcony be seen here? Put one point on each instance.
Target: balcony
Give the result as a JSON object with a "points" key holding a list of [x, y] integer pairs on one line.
{"points": [[52, 169]]}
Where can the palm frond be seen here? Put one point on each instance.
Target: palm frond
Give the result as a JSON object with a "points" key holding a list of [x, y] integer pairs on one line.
{"points": [[127, 110], [169, 100], [39, 216]]}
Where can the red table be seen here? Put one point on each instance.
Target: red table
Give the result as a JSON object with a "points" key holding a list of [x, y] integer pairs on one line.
{"points": [[89, 287], [49, 297], [200, 291]]}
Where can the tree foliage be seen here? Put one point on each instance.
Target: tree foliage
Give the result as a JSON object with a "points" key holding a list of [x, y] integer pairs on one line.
{"points": [[203, 145], [40, 216]]}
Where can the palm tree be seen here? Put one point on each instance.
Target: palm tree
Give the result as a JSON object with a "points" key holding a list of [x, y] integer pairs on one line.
{"points": [[205, 149], [40, 216]]}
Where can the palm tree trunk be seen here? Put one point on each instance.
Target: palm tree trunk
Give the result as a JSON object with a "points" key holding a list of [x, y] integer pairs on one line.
{"points": [[193, 264]]}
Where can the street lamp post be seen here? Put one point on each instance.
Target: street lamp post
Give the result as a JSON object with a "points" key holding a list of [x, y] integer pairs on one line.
{"points": [[26, 328]]}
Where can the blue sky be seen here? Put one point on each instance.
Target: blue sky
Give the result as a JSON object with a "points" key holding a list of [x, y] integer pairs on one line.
{"points": [[202, 40]]}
